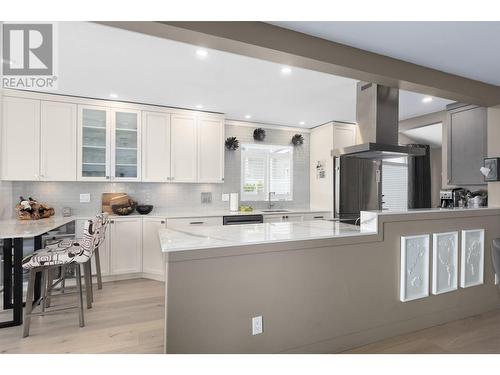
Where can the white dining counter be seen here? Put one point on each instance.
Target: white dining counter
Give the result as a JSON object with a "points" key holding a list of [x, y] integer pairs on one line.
{"points": [[13, 228]]}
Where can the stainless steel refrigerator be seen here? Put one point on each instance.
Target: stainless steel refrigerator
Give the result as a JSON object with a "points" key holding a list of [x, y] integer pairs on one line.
{"points": [[358, 187]]}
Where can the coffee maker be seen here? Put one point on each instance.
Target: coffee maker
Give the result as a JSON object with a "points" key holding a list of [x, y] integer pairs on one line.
{"points": [[446, 199], [453, 198]]}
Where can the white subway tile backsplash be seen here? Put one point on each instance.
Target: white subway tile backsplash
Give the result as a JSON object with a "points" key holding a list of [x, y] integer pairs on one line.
{"points": [[164, 196]]}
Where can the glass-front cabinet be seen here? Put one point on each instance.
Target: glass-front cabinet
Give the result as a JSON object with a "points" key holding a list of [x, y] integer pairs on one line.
{"points": [[126, 138], [109, 142]]}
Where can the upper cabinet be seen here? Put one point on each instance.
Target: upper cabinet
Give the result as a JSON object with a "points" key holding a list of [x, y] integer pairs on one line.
{"points": [[126, 145], [466, 145], [155, 146], [79, 139], [58, 141], [38, 140], [184, 148], [197, 148], [109, 144], [20, 139], [210, 149]]}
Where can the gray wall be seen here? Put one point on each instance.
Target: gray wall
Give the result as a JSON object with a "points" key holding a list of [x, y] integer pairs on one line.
{"points": [[171, 197], [318, 296]]}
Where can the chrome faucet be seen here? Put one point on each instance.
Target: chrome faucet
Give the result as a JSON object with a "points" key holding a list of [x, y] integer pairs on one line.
{"points": [[271, 204]]}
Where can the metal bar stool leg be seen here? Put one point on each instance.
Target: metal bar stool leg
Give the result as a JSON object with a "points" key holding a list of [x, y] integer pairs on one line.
{"points": [[88, 284], [78, 275], [45, 288], [98, 268], [50, 281], [29, 302]]}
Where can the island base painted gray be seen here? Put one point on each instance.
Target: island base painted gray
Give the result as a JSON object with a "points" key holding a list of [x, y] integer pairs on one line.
{"points": [[316, 296]]}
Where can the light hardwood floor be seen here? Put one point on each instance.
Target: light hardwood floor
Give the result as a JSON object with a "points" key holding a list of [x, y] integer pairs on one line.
{"points": [[128, 317]]}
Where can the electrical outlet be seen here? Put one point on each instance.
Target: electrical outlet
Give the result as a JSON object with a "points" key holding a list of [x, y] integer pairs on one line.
{"points": [[85, 198], [257, 327], [225, 197]]}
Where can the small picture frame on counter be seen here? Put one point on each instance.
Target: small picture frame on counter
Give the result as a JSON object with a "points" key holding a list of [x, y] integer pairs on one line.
{"points": [[491, 169]]}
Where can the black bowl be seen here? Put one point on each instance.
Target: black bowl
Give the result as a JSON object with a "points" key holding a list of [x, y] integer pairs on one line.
{"points": [[144, 209]]}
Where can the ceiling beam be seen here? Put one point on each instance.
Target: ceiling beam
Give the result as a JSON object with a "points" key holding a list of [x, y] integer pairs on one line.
{"points": [[269, 42]]}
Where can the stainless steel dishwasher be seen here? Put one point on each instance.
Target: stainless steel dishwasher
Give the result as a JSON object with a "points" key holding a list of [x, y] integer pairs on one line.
{"points": [[242, 219]]}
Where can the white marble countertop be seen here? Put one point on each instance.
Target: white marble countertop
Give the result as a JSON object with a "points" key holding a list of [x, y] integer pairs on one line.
{"points": [[213, 213], [430, 210], [185, 237], [13, 228]]}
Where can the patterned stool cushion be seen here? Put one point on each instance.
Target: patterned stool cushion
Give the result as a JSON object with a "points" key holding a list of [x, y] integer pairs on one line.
{"points": [[66, 251]]}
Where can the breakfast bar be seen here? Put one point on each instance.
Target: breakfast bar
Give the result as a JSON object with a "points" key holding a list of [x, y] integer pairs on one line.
{"points": [[324, 286], [13, 232]]}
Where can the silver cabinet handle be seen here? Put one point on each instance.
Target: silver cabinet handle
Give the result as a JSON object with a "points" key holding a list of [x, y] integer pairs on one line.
{"points": [[197, 222], [111, 221], [162, 222]]}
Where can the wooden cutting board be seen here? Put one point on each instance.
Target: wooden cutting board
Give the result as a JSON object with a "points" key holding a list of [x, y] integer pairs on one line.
{"points": [[112, 198]]}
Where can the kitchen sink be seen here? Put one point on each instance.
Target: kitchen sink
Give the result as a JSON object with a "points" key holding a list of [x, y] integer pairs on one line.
{"points": [[277, 210]]}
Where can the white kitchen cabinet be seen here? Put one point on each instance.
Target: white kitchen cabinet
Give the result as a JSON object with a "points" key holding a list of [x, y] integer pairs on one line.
{"points": [[195, 221], [282, 218], [58, 141], [184, 148], [109, 144], [94, 151], [20, 139], [126, 245], [125, 145], [210, 149], [152, 256], [104, 249], [325, 139], [155, 146]]}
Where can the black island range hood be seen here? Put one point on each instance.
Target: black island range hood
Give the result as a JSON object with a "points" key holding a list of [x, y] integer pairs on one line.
{"points": [[377, 115]]}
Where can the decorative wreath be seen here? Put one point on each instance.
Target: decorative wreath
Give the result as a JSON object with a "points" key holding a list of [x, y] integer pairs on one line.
{"points": [[232, 143], [259, 134], [298, 139]]}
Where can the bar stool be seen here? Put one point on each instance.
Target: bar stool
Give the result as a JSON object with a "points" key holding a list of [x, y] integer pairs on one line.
{"points": [[67, 254]]}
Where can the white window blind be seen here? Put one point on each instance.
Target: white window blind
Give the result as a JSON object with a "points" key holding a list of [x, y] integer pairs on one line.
{"points": [[395, 184], [264, 169]]}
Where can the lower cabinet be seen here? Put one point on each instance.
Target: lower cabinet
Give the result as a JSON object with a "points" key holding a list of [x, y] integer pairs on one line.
{"points": [[152, 256], [126, 243], [283, 218]]}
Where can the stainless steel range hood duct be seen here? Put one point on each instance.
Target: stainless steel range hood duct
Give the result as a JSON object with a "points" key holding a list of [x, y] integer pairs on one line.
{"points": [[377, 115]]}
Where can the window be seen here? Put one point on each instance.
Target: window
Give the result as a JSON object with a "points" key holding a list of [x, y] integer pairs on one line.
{"points": [[265, 169], [395, 184]]}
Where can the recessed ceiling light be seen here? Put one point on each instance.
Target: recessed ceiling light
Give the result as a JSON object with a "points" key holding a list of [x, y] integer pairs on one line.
{"points": [[286, 70], [202, 53], [248, 116], [302, 123], [114, 96], [199, 106], [427, 99]]}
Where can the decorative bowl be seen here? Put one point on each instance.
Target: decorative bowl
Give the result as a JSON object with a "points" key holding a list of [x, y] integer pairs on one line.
{"points": [[144, 209], [124, 209]]}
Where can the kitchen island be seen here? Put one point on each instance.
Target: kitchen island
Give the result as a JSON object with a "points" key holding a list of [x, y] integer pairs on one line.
{"points": [[325, 286]]}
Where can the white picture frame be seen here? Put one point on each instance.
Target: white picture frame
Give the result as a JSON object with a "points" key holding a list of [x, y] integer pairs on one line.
{"points": [[444, 262], [472, 258], [414, 272]]}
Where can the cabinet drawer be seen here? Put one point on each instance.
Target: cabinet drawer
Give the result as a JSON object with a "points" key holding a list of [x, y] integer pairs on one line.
{"points": [[195, 221]]}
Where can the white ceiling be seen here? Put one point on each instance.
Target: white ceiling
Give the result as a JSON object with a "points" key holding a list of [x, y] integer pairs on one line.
{"points": [[429, 135], [96, 61], [468, 49]]}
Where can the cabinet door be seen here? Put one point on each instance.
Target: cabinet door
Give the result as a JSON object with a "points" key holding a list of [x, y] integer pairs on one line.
{"points": [[344, 135], [273, 218], [184, 148], [126, 145], [155, 147], [210, 149], [104, 249], [467, 130], [58, 141], [93, 143], [20, 139], [152, 256], [126, 254]]}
